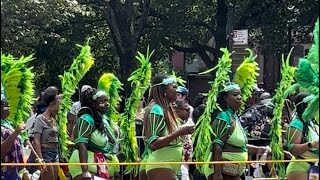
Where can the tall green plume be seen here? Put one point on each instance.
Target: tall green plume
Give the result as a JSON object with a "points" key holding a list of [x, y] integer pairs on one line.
{"points": [[140, 82], [203, 130], [287, 73], [246, 77], [17, 80], [69, 83], [313, 55], [111, 85]]}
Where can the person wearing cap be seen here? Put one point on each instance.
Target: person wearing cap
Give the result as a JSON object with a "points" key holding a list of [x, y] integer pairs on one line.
{"points": [[182, 95], [74, 109]]}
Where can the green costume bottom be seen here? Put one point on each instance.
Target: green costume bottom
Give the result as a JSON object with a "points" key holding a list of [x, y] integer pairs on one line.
{"points": [[166, 154], [208, 169], [76, 170], [297, 166]]}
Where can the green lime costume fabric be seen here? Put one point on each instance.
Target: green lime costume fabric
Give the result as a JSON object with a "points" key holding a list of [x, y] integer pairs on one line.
{"points": [[96, 142], [170, 153], [297, 126], [238, 139]]}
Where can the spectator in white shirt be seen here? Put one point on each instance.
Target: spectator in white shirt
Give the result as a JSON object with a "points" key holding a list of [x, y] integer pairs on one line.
{"points": [[74, 109]]}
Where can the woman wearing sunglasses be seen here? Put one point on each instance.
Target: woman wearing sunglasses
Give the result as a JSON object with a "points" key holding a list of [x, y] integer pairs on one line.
{"points": [[11, 147]]}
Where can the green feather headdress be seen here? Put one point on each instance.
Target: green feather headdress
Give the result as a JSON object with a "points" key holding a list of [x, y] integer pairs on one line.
{"points": [[246, 77], [17, 80], [307, 77], [109, 83], [203, 131], [178, 79], [287, 73], [69, 83], [140, 82]]}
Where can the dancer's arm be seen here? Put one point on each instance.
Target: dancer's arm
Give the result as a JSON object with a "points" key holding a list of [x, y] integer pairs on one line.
{"points": [[221, 127], [8, 140], [84, 128]]}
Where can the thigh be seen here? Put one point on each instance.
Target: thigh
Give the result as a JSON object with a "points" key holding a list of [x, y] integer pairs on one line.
{"points": [[143, 175], [161, 174], [228, 177], [297, 175]]}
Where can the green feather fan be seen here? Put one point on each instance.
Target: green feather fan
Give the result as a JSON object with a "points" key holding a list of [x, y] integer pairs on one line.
{"points": [[287, 79], [313, 55], [69, 83], [17, 80], [111, 85], [140, 82], [307, 75], [203, 130], [246, 77]]}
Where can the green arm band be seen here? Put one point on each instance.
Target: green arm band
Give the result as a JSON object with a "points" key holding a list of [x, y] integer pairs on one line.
{"points": [[218, 141]]}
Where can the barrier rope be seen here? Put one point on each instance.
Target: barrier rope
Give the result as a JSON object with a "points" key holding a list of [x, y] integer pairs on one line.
{"points": [[158, 163]]}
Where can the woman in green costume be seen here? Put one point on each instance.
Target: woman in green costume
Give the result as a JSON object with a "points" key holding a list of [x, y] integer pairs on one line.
{"points": [[229, 142], [303, 140], [95, 138], [163, 142]]}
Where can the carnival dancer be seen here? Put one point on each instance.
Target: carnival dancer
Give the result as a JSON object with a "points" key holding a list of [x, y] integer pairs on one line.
{"points": [[303, 140], [163, 137], [94, 137], [219, 125], [11, 146]]}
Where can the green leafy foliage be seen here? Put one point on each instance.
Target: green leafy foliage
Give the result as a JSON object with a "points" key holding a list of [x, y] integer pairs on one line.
{"points": [[246, 77], [140, 82], [111, 85], [287, 73], [18, 81], [69, 83], [203, 130]]}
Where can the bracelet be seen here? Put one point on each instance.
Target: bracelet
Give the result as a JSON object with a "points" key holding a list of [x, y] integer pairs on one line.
{"points": [[39, 160]]}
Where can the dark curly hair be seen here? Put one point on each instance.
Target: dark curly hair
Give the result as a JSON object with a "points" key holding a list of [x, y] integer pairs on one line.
{"points": [[49, 95], [88, 107]]}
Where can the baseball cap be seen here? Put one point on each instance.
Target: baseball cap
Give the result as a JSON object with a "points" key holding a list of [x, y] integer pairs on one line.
{"points": [[182, 90], [85, 87]]}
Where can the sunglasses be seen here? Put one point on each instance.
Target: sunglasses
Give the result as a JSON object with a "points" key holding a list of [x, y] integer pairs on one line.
{"points": [[6, 108]]}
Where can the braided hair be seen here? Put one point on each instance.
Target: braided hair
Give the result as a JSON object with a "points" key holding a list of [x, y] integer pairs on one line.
{"points": [[300, 108], [157, 94], [88, 107]]}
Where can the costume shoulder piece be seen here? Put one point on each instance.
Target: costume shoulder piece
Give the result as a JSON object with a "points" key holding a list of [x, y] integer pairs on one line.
{"points": [[140, 82], [69, 83], [17, 80], [111, 85], [287, 78]]}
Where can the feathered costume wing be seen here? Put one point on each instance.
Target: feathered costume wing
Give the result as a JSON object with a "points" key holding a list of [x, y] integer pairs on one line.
{"points": [[140, 82], [287, 73], [17, 80], [109, 83], [307, 76], [203, 131], [246, 77], [69, 83]]}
